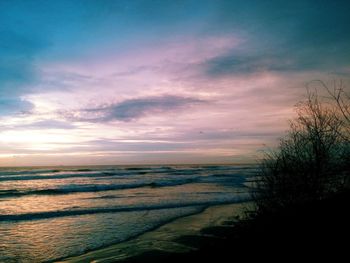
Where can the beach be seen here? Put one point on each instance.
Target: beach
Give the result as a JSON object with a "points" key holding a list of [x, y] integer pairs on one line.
{"points": [[174, 131], [224, 233], [172, 238]]}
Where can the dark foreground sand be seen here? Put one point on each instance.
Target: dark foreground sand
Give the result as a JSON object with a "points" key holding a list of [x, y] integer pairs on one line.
{"points": [[311, 231], [183, 235]]}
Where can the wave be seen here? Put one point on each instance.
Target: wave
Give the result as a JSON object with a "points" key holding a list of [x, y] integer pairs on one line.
{"points": [[25, 172], [69, 174], [85, 173], [73, 188], [48, 174], [136, 168], [83, 170], [55, 214], [56, 176]]}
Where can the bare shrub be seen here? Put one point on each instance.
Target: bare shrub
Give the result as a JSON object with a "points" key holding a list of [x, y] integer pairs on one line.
{"points": [[312, 160]]}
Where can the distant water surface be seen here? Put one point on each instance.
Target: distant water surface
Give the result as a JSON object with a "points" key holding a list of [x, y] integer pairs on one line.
{"points": [[51, 213]]}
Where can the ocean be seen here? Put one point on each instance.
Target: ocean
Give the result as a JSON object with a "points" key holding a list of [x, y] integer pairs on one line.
{"points": [[51, 213]]}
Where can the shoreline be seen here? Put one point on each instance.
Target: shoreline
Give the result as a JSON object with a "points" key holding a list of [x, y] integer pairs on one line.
{"points": [[166, 239]]}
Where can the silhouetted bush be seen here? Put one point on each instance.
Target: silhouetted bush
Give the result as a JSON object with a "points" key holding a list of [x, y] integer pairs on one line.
{"points": [[312, 160]]}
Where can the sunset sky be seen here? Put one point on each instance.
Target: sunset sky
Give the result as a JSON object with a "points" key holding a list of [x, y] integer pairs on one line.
{"points": [[157, 81]]}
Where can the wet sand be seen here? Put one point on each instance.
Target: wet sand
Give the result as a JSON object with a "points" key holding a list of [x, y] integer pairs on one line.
{"points": [[179, 236]]}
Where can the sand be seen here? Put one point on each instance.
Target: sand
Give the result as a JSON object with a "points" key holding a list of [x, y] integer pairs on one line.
{"points": [[166, 238]]}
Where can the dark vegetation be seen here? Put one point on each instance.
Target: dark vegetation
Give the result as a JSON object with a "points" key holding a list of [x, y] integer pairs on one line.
{"points": [[313, 231], [301, 196], [312, 161]]}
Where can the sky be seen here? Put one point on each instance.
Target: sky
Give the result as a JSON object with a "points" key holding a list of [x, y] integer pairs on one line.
{"points": [[159, 81]]}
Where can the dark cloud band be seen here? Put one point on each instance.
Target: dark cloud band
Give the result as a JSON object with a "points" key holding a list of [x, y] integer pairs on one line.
{"points": [[131, 109]]}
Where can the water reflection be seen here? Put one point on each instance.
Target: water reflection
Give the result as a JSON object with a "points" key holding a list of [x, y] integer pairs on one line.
{"points": [[42, 240], [148, 196]]}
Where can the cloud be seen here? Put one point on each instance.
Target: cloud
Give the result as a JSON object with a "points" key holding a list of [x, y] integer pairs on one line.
{"points": [[295, 36], [203, 49], [282, 60], [10, 106], [47, 124], [131, 109]]}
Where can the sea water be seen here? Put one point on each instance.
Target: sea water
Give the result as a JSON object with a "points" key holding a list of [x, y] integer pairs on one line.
{"points": [[55, 212]]}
